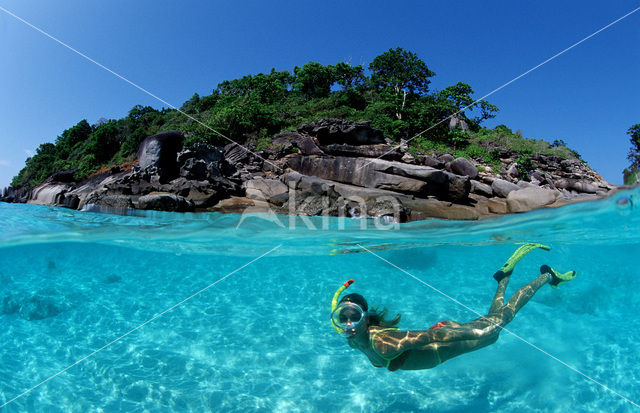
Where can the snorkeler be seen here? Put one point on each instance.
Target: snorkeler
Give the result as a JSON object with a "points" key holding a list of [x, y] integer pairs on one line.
{"points": [[387, 346]]}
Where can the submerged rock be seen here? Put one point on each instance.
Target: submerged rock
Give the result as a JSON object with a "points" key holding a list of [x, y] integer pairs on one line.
{"points": [[8, 305], [43, 304]]}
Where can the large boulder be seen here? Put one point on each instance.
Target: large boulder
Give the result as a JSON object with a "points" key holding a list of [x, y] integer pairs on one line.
{"points": [[432, 162], [343, 131], [584, 187], [201, 162], [234, 153], [272, 190], [341, 199], [160, 151], [207, 153], [385, 175], [202, 194], [498, 206], [481, 189], [162, 201], [119, 202], [530, 198], [502, 188], [288, 141], [49, 194], [433, 208], [462, 166]]}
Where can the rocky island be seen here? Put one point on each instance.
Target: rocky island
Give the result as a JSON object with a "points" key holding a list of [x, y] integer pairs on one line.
{"points": [[330, 167], [332, 140]]}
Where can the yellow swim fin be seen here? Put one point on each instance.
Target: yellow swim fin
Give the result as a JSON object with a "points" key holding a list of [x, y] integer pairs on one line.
{"points": [[558, 278], [508, 267]]}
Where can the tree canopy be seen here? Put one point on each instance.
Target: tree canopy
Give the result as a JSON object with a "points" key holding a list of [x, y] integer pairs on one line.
{"points": [[634, 151], [632, 173]]}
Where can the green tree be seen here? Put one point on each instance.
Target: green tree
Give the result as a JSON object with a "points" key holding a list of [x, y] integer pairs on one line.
{"points": [[38, 167], [634, 151], [268, 89], [401, 70], [313, 80], [104, 142], [71, 137], [191, 105], [349, 77], [459, 98]]}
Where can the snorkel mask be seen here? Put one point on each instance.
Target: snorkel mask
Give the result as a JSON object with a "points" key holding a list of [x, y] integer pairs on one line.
{"points": [[347, 316]]}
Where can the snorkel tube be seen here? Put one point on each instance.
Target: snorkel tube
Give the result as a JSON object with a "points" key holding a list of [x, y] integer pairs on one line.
{"points": [[334, 302]]}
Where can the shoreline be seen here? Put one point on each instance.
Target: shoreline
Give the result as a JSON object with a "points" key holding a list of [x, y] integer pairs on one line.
{"points": [[307, 173]]}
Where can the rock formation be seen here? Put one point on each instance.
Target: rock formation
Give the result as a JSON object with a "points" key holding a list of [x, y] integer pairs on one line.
{"points": [[330, 167]]}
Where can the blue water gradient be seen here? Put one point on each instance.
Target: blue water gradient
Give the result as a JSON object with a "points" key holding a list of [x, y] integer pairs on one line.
{"points": [[260, 340]]}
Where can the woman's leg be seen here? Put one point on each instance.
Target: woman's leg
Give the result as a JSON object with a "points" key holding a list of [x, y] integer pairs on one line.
{"points": [[498, 298], [504, 273], [488, 328], [506, 313]]}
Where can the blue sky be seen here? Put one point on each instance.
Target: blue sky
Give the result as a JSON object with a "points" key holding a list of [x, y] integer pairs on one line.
{"points": [[588, 97]]}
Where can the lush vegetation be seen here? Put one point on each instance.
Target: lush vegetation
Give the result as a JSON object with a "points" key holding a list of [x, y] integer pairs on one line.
{"points": [[392, 93], [632, 173]]}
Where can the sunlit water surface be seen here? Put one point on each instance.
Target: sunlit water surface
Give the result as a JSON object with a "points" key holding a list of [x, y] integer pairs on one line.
{"points": [[260, 340]]}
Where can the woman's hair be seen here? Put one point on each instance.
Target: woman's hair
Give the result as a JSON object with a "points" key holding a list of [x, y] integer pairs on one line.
{"points": [[378, 318], [375, 317]]}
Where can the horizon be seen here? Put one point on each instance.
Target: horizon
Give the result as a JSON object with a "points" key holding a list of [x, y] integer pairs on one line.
{"points": [[584, 97]]}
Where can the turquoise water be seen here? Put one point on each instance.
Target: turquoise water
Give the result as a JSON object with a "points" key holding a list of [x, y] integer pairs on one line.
{"points": [[260, 340]]}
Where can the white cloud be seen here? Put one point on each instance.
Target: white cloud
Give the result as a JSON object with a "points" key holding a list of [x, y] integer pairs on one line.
{"points": [[4, 162]]}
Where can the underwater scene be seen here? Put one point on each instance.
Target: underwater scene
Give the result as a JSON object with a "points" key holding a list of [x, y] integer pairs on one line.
{"points": [[213, 312]]}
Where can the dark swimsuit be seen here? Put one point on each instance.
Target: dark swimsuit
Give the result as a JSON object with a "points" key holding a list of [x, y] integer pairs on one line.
{"points": [[394, 363]]}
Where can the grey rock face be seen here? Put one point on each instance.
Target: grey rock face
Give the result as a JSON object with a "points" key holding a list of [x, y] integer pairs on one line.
{"points": [[111, 201], [462, 166], [445, 158], [387, 175], [49, 194], [481, 189], [502, 188], [530, 198], [266, 189], [159, 151], [584, 187], [382, 151], [343, 131], [234, 153], [432, 162], [160, 201], [285, 141]]}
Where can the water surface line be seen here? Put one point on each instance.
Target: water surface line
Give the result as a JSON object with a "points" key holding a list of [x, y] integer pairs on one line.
{"points": [[139, 326], [503, 328]]}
